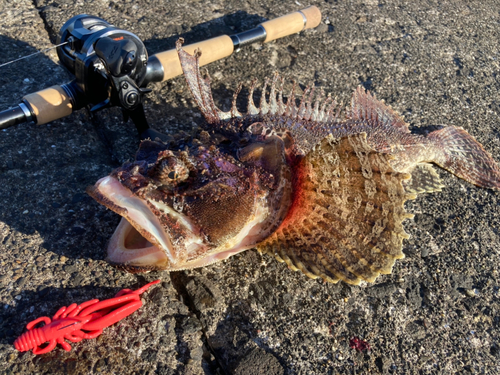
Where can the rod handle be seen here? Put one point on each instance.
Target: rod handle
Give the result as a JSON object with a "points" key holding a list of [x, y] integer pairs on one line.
{"points": [[213, 49], [222, 46], [292, 23], [49, 104]]}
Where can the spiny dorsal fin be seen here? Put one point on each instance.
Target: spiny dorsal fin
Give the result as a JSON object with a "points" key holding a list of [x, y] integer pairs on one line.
{"points": [[302, 112], [199, 87], [365, 107], [201, 91], [345, 222], [306, 124], [251, 108], [234, 108], [273, 104]]}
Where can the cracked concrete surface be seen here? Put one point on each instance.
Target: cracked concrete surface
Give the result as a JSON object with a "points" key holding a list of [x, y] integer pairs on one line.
{"points": [[434, 62]]}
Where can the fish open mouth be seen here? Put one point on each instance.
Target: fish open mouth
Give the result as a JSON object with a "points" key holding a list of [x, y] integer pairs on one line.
{"points": [[139, 241], [128, 248]]}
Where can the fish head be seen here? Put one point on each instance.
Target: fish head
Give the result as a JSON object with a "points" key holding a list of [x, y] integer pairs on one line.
{"points": [[189, 207]]}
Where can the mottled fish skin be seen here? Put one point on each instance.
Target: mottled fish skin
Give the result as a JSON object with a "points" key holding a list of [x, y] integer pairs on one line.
{"points": [[321, 190]]}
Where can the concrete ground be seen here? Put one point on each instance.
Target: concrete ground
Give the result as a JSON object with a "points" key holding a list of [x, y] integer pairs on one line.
{"points": [[435, 62]]}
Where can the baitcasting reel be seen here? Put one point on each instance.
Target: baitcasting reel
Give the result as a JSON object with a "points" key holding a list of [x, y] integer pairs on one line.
{"points": [[109, 64]]}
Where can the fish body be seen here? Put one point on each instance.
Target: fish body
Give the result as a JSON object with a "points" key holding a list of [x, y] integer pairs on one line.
{"points": [[321, 190]]}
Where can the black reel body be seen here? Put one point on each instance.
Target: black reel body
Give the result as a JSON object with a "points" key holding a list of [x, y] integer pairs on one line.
{"points": [[109, 64]]}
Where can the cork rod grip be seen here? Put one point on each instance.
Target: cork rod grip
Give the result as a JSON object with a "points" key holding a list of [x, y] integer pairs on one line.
{"points": [[292, 23], [49, 104], [212, 50]]}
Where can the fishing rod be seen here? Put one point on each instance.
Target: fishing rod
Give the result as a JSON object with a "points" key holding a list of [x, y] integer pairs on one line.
{"points": [[112, 68]]}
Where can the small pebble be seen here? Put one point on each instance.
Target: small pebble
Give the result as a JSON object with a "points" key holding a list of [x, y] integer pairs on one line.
{"points": [[322, 28], [21, 281], [472, 292]]}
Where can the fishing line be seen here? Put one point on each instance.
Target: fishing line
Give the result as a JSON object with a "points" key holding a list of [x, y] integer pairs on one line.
{"points": [[33, 54]]}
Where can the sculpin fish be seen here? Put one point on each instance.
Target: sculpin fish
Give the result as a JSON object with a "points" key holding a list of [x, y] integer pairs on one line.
{"points": [[320, 189]]}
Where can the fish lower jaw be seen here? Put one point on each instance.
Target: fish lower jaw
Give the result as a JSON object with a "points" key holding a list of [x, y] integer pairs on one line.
{"points": [[139, 240], [129, 250], [128, 247]]}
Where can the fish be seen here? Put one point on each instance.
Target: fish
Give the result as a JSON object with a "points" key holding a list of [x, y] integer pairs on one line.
{"points": [[318, 187]]}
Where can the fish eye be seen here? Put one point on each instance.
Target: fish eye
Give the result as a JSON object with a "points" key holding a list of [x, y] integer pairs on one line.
{"points": [[172, 171]]}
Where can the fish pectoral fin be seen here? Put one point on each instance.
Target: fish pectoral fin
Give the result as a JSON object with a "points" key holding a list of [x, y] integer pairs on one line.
{"points": [[424, 179], [345, 222]]}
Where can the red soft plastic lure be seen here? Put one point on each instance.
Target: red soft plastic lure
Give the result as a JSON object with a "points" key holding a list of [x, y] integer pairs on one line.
{"points": [[78, 322]]}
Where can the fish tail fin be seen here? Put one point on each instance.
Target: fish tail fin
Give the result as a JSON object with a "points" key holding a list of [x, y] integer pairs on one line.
{"points": [[459, 153]]}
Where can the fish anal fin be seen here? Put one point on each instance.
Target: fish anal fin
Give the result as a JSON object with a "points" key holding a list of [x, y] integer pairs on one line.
{"points": [[424, 179], [366, 107], [346, 218]]}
